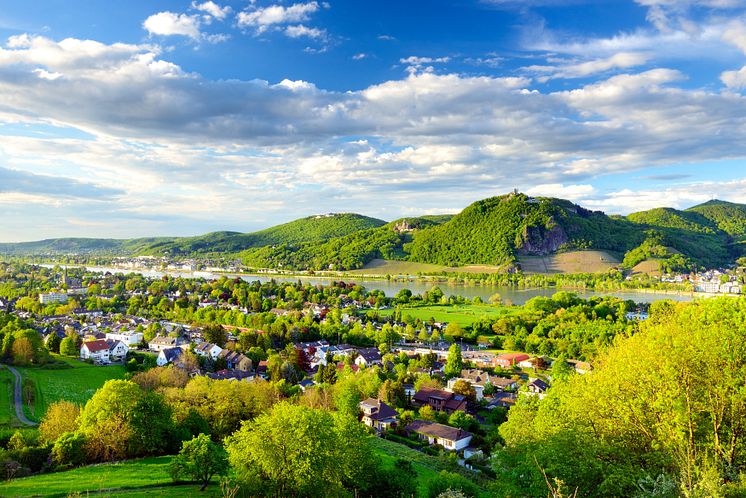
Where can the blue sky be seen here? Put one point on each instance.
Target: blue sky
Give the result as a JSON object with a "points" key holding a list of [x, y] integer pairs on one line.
{"points": [[124, 119]]}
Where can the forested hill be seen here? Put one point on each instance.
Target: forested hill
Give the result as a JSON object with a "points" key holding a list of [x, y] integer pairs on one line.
{"points": [[317, 228], [497, 231]]}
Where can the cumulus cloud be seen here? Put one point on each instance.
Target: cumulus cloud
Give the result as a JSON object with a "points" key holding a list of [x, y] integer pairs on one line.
{"points": [[45, 186], [170, 23], [264, 17], [212, 9], [301, 31], [184, 145]]}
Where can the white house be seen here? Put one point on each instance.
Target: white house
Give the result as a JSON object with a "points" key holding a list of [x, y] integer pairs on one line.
{"points": [[168, 355], [130, 338], [207, 349], [160, 343], [449, 438], [117, 350], [97, 350], [378, 415]]}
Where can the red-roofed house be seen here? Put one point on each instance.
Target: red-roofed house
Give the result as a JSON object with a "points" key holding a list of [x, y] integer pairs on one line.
{"points": [[509, 360], [97, 350]]}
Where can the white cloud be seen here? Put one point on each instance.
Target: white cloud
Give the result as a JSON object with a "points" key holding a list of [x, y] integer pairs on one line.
{"points": [[360, 56], [170, 23], [212, 9], [734, 79], [301, 31], [265, 17], [419, 61], [169, 138], [573, 69]]}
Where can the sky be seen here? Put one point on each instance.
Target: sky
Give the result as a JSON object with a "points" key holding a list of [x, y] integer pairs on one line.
{"points": [[156, 118]]}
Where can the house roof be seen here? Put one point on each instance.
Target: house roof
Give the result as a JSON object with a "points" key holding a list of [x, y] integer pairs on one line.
{"points": [[383, 412], [513, 357], [370, 355], [539, 384], [452, 401], [438, 430], [172, 353], [96, 346]]}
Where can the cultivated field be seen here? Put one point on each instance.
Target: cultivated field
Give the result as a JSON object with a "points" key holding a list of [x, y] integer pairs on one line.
{"points": [[461, 314], [648, 267], [569, 262], [143, 477], [76, 382], [392, 267]]}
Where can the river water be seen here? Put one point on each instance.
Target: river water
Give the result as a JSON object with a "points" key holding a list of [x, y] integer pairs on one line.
{"points": [[391, 287]]}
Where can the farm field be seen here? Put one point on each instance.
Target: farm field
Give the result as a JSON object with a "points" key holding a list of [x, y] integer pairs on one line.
{"points": [[463, 315], [76, 383], [569, 262], [143, 477]]}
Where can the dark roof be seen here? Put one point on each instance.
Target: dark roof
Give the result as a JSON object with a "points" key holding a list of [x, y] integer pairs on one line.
{"points": [[383, 411], [370, 355], [539, 384], [438, 430], [452, 401], [172, 353]]}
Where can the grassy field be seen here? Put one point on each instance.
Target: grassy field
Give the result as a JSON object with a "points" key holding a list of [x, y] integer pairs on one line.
{"points": [[7, 411], [143, 477], [463, 315], [427, 467], [569, 262], [76, 383], [649, 267]]}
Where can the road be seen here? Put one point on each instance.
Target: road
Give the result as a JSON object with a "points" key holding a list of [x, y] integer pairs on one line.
{"points": [[18, 397]]}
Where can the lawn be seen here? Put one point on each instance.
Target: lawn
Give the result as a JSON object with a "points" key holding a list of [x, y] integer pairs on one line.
{"points": [[75, 383], [143, 477], [462, 314], [7, 411]]}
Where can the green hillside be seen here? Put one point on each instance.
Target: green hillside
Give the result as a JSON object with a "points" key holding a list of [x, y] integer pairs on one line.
{"points": [[729, 217], [495, 232], [310, 229]]}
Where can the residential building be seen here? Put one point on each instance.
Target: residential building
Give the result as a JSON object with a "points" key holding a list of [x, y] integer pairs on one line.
{"points": [[378, 415], [368, 357], [235, 360], [53, 298], [117, 350], [130, 338], [449, 438], [168, 355], [509, 360], [208, 350], [97, 350], [159, 343], [439, 400]]}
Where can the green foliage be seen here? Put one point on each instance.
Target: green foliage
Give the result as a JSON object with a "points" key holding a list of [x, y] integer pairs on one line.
{"points": [[299, 451], [200, 459], [454, 362], [69, 347], [729, 217], [449, 481], [669, 400], [69, 450]]}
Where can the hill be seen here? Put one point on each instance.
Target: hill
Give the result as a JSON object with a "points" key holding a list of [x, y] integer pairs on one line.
{"points": [[314, 229], [729, 217], [496, 233], [310, 229]]}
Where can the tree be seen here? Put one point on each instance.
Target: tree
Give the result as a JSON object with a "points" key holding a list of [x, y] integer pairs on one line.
{"points": [[69, 450], [200, 459], [23, 351], [61, 417], [298, 451], [465, 388], [53, 343], [69, 347], [215, 334], [454, 363]]}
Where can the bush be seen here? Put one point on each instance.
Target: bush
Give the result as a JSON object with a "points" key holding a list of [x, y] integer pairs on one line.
{"points": [[450, 481], [69, 450], [34, 458]]}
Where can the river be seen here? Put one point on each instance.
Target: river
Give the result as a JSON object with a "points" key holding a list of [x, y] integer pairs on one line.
{"points": [[391, 287]]}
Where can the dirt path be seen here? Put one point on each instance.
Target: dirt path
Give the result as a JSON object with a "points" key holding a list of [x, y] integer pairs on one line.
{"points": [[18, 397]]}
